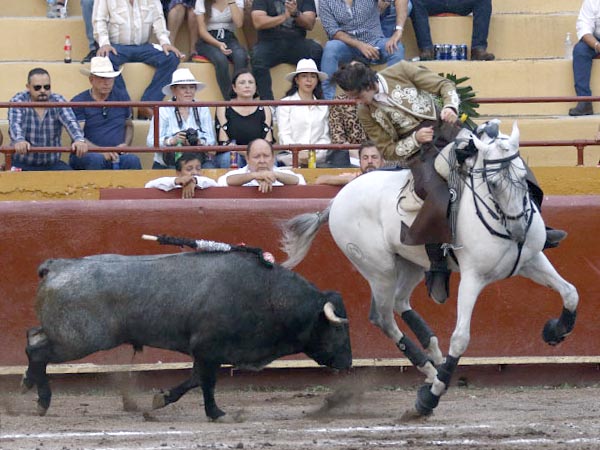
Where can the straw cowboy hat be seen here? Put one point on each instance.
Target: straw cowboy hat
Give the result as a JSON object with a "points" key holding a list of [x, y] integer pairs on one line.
{"points": [[306, 66], [182, 76], [101, 67]]}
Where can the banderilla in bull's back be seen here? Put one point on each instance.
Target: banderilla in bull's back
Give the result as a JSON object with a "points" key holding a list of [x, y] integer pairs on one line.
{"points": [[223, 306]]}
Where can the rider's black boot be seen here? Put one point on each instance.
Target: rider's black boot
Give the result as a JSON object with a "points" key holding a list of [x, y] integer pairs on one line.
{"points": [[553, 237], [437, 278]]}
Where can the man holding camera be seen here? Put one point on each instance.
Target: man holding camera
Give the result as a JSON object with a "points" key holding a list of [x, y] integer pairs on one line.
{"points": [[181, 125], [103, 126]]}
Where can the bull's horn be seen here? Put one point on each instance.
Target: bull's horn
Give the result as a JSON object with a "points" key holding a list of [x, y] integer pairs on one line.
{"points": [[329, 311]]}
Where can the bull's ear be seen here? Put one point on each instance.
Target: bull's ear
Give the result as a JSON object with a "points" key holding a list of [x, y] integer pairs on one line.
{"points": [[329, 311]]}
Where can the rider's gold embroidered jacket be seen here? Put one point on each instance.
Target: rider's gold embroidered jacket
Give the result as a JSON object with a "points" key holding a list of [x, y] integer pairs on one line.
{"points": [[404, 100]]}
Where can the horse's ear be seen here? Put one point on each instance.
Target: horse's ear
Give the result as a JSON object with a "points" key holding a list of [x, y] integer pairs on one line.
{"points": [[481, 146], [514, 136]]}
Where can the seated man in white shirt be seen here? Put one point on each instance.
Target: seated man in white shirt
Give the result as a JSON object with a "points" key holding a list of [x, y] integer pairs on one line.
{"points": [[260, 170], [188, 178]]}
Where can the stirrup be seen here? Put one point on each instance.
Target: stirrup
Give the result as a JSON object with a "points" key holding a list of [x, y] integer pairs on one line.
{"points": [[446, 248]]}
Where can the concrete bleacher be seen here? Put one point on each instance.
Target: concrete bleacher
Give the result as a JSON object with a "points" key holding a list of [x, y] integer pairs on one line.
{"points": [[527, 38]]}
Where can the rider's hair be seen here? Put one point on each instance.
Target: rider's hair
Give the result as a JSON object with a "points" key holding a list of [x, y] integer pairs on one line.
{"points": [[355, 77]]}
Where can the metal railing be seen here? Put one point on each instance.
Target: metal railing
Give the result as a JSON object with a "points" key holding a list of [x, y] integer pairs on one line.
{"points": [[579, 144]]}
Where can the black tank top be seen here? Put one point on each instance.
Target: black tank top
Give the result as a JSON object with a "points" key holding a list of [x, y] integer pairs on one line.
{"points": [[244, 129]]}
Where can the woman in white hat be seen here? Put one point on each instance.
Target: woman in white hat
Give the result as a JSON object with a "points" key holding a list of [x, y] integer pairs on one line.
{"points": [[181, 125], [303, 124]]}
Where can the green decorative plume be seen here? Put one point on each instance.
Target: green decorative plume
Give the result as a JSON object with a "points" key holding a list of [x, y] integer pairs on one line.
{"points": [[467, 109]]}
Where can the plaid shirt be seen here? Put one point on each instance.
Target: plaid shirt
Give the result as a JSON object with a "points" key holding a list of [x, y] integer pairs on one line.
{"points": [[25, 124], [361, 21]]}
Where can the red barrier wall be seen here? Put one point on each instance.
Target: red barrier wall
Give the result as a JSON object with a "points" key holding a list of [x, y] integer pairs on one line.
{"points": [[507, 321]]}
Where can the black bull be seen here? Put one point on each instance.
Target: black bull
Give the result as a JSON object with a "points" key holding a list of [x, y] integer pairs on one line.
{"points": [[219, 308]]}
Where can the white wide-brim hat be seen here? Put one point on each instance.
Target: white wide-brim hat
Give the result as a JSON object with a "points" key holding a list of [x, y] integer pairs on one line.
{"points": [[182, 76], [101, 66], [306, 65]]}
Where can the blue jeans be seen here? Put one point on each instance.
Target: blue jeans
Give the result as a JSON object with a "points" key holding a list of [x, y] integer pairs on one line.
{"points": [[222, 160], [58, 165], [388, 19], [422, 9], [336, 53], [239, 58], [87, 7], [96, 161], [147, 54], [583, 55], [267, 54]]}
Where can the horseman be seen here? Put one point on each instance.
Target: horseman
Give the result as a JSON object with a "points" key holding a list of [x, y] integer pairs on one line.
{"points": [[398, 111]]}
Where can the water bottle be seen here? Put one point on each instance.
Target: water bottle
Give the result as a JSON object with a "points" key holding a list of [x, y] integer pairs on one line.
{"points": [[312, 159], [67, 49], [233, 156], [51, 9], [568, 47]]}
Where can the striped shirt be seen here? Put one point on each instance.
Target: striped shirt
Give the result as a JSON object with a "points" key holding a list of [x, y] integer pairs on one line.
{"points": [[361, 20], [24, 124]]}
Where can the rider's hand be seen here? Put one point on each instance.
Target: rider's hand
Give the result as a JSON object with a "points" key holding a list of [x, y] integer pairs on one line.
{"points": [[448, 115], [424, 135]]}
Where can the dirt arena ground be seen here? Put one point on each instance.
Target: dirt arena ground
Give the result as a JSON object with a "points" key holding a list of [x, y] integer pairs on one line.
{"points": [[341, 416]]}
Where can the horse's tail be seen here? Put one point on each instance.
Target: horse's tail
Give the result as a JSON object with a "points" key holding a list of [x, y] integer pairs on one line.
{"points": [[298, 235]]}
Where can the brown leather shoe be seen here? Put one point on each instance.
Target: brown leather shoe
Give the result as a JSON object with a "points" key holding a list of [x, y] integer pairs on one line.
{"points": [[427, 54], [144, 113], [481, 54]]}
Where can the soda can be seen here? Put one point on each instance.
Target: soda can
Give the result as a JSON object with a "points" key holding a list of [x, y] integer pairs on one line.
{"points": [[437, 51], [463, 52], [447, 51], [453, 52]]}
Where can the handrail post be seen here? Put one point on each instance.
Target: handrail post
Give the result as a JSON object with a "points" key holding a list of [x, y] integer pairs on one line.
{"points": [[8, 161], [580, 148], [295, 162]]}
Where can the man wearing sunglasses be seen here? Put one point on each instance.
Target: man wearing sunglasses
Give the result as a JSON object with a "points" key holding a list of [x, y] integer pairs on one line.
{"points": [[104, 126], [41, 126]]}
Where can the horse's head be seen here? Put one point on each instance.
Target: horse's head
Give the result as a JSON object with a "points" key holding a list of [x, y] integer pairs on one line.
{"points": [[504, 173]]}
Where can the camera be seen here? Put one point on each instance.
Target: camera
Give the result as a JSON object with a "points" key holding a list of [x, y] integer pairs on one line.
{"points": [[191, 135]]}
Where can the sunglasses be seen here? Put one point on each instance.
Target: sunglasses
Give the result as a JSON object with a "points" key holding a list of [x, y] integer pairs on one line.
{"points": [[38, 87]]}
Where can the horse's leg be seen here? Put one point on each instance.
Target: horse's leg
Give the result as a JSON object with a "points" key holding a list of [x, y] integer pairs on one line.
{"points": [[385, 291], [429, 395], [540, 270], [162, 399]]}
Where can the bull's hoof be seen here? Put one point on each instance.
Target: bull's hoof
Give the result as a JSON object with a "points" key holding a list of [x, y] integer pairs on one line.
{"points": [[553, 334], [215, 413], [159, 400], [426, 400], [26, 384]]}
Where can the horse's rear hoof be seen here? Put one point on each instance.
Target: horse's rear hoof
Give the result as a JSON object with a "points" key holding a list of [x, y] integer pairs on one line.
{"points": [[159, 401], [26, 384]]}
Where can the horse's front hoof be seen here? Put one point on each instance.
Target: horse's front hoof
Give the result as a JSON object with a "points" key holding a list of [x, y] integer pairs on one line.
{"points": [[426, 400], [26, 384], [553, 333], [159, 400]]}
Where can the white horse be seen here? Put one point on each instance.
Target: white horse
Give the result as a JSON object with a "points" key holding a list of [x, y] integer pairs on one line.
{"points": [[499, 233]]}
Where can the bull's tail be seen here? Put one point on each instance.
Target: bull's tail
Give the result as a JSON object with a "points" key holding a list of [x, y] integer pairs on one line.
{"points": [[298, 235]]}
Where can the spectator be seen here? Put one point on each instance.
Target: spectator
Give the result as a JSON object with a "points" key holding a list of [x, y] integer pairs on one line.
{"points": [[584, 52], [241, 124], [217, 24], [281, 27], [122, 30], [344, 128], [87, 8], [41, 126], [104, 127], [370, 160], [188, 177], [261, 170], [180, 10], [303, 124], [482, 13], [177, 122], [354, 34], [392, 16]]}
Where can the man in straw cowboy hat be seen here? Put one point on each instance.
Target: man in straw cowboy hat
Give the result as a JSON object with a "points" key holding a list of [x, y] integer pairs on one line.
{"points": [[104, 127], [123, 29]]}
